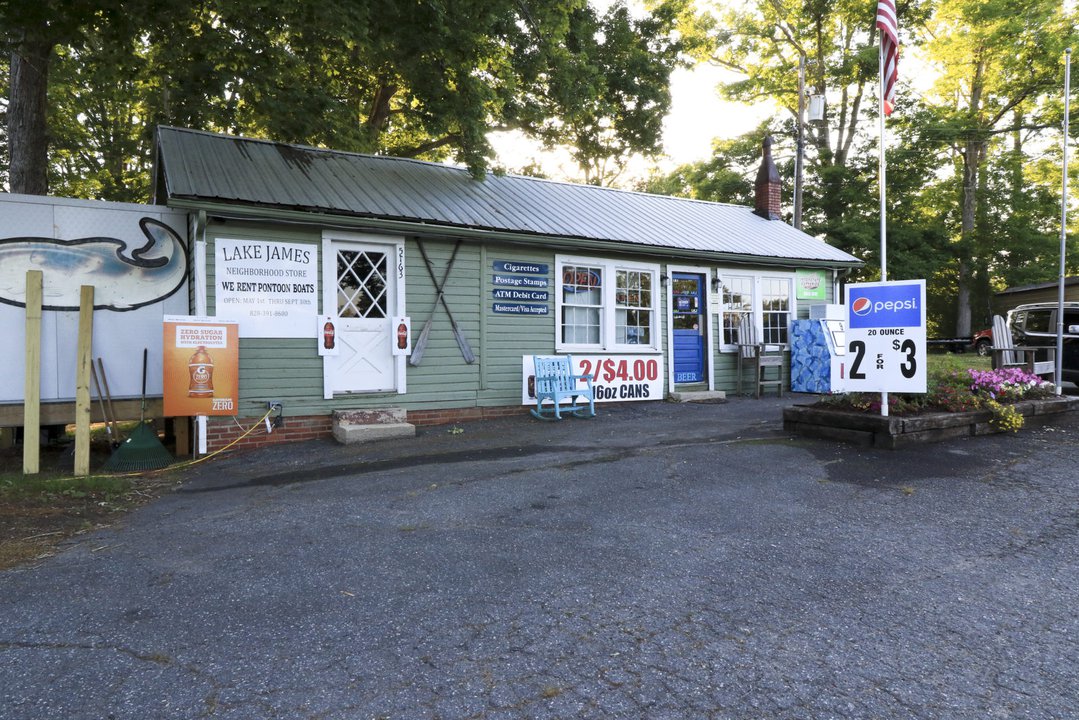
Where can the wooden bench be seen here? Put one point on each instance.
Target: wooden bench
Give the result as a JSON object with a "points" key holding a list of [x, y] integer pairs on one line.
{"points": [[1007, 354], [555, 381]]}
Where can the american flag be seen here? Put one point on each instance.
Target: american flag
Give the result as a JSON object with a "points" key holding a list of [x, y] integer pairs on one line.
{"points": [[889, 46]]}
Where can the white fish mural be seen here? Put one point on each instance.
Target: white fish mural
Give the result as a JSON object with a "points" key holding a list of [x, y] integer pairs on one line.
{"points": [[124, 278]]}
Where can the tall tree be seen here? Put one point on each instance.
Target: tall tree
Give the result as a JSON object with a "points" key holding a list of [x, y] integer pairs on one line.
{"points": [[764, 42], [998, 60], [425, 80], [30, 32]]}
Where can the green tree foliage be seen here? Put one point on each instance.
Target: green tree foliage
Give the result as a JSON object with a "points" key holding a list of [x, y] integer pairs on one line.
{"points": [[424, 79], [973, 201], [727, 177], [999, 61]]}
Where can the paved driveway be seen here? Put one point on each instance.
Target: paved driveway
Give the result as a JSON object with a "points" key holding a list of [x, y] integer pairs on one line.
{"points": [[659, 561]]}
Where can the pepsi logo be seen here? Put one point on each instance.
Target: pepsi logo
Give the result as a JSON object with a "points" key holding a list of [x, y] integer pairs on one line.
{"points": [[862, 306]]}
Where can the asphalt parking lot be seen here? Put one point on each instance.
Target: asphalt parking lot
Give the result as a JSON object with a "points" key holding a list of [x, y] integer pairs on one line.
{"points": [[659, 561]]}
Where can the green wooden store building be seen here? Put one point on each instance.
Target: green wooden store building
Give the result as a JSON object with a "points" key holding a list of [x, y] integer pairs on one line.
{"points": [[647, 292]]}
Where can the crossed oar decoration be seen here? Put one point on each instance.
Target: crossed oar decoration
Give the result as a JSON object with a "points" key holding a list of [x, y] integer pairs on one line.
{"points": [[421, 343]]}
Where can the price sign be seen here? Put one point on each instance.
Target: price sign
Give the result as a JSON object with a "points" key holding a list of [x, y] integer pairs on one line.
{"points": [[885, 337]]}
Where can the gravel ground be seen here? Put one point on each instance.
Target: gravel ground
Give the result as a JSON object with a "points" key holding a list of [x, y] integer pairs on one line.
{"points": [[659, 561]]}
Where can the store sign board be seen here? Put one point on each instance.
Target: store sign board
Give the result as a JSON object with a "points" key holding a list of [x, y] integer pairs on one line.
{"points": [[521, 295], [519, 281], [886, 348], [520, 309], [524, 268], [811, 285], [269, 288]]}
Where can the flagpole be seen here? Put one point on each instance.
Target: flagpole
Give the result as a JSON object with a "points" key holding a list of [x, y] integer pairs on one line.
{"points": [[882, 174], [1063, 225]]}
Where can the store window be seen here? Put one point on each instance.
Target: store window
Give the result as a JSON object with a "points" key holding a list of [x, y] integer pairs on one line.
{"points": [[606, 305], [633, 307], [737, 303], [766, 301], [775, 309], [582, 304]]}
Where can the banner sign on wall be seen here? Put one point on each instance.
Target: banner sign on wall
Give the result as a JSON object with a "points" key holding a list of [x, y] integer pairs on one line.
{"points": [[269, 288], [811, 285], [616, 378], [201, 359]]}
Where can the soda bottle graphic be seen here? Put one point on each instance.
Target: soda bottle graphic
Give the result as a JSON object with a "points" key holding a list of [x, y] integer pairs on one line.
{"points": [[201, 369], [328, 333], [402, 336]]}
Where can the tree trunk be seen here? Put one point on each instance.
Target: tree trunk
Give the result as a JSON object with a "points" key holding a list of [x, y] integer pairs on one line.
{"points": [[27, 117], [974, 153]]}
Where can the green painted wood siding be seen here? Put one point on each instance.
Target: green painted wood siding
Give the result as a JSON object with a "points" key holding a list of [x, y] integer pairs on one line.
{"points": [[290, 370]]}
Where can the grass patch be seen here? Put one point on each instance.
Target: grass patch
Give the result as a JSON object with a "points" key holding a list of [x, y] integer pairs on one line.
{"points": [[947, 362], [39, 512], [47, 486]]}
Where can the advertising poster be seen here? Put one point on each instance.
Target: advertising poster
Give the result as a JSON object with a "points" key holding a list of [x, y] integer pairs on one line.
{"points": [[885, 337], [269, 288], [201, 358], [811, 285], [326, 332], [616, 378], [402, 335]]}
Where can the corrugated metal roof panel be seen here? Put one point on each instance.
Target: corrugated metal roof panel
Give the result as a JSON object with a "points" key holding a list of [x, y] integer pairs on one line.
{"points": [[211, 167]]}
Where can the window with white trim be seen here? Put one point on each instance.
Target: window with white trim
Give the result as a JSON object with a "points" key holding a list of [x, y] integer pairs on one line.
{"points": [[767, 300], [606, 305], [737, 303], [775, 309], [581, 293]]}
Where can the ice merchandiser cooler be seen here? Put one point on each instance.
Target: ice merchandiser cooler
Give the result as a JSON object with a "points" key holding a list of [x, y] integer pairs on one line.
{"points": [[818, 346]]}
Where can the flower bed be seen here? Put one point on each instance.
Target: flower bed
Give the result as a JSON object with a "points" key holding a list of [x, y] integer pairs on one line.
{"points": [[957, 404]]}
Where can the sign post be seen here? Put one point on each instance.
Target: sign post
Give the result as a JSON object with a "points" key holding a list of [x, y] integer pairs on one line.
{"points": [[886, 338]]}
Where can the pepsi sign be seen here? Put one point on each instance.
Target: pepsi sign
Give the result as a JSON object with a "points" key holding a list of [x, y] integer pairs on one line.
{"points": [[885, 306], [885, 338]]}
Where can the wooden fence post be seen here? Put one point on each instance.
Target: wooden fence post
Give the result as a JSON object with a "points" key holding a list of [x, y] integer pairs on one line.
{"points": [[31, 418], [82, 381]]}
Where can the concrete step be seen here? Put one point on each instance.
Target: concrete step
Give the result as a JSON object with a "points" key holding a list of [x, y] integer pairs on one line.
{"points": [[349, 434], [359, 426], [698, 396]]}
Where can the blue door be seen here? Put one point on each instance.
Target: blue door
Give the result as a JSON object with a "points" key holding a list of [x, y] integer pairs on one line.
{"points": [[688, 318]]}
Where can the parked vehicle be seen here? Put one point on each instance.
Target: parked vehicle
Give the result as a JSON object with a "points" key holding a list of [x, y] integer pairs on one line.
{"points": [[1036, 325], [982, 342]]}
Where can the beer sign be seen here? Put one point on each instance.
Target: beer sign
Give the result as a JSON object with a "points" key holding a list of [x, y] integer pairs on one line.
{"points": [[201, 361]]}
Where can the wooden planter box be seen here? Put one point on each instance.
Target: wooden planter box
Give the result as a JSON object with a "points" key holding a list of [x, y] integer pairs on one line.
{"points": [[898, 431]]}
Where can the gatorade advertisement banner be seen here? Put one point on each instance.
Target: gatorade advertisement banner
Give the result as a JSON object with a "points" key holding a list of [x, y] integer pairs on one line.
{"points": [[201, 359]]}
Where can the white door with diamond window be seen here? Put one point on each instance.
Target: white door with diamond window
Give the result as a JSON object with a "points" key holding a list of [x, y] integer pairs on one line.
{"points": [[364, 286]]}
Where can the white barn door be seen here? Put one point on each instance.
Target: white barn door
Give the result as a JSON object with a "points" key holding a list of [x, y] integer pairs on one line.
{"points": [[360, 286]]}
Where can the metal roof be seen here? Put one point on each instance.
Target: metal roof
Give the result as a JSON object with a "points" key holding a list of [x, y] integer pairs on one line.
{"points": [[215, 168]]}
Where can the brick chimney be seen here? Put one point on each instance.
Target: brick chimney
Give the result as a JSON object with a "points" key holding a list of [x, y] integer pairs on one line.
{"points": [[767, 202]]}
